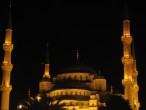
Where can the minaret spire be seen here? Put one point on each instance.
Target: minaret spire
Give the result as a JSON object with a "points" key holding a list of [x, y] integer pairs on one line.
{"points": [[45, 84], [9, 26], [47, 64], [7, 65], [129, 63], [47, 53], [126, 14]]}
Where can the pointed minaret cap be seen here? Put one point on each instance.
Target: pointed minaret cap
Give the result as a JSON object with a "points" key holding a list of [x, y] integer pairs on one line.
{"points": [[46, 74], [126, 14], [47, 54], [9, 26]]}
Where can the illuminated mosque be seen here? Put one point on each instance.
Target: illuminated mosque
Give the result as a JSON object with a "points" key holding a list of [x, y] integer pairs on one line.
{"points": [[79, 86]]}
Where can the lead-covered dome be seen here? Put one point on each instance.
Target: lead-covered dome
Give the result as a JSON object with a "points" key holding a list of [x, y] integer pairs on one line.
{"points": [[78, 67]]}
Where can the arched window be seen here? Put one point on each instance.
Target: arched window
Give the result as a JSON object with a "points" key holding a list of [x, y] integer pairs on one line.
{"points": [[87, 77], [61, 93], [75, 77], [81, 77], [66, 93]]}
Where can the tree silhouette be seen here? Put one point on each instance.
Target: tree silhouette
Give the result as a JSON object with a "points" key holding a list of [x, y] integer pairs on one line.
{"points": [[43, 103], [102, 108]]}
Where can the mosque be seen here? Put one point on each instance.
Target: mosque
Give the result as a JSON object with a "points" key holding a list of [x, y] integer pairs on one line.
{"points": [[78, 86]]}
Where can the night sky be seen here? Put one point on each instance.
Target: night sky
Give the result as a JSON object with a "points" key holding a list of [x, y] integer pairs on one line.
{"points": [[93, 28]]}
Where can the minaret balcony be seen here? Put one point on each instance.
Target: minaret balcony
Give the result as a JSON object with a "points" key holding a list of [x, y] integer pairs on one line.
{"points": [[127, 82], [7, 67], [127, 60], [6, 88], [7, 47], [127, 39]]}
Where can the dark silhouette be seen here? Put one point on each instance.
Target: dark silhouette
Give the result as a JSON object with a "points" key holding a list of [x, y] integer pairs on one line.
{"points": [[117, 102], [44, 103]]}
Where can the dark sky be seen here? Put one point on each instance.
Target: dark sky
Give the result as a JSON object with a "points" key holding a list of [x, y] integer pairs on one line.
{"points": [[93, 28]]}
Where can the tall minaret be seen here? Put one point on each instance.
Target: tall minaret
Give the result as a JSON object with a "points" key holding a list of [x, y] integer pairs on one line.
{"points": [[128, 60], [136, 103], [7, 66], [45, 84]]}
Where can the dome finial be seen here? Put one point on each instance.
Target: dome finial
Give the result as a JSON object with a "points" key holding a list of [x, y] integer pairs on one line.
{"points": [[77, 55], [99, 72], [111, 89]]}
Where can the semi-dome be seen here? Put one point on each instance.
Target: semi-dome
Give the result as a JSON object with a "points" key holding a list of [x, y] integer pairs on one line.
{"points": [[78, 67]]}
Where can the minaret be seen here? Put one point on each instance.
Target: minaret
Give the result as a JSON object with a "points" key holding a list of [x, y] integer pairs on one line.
{"points": [[47, 65], [136, 103], [128, 62], [7, 66], [45, 84]]}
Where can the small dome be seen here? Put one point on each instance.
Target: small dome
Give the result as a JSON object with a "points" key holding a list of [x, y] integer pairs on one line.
{"points": [[78, 68]]}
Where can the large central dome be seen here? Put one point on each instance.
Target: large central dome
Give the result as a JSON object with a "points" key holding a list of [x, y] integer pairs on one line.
{"points": [[78, 67]]}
